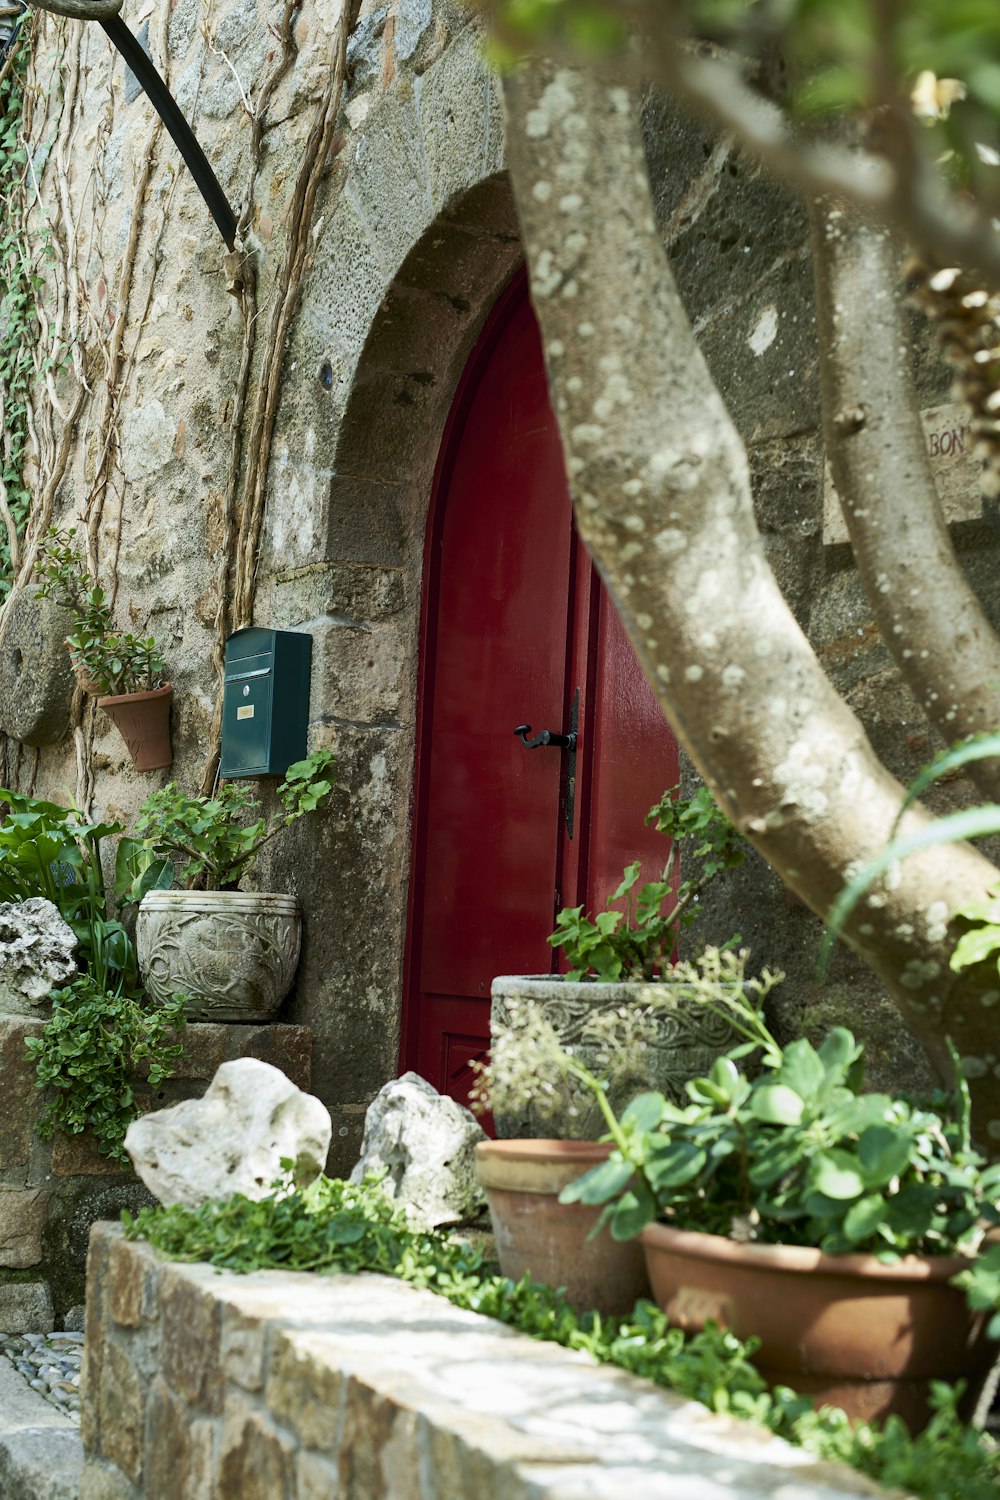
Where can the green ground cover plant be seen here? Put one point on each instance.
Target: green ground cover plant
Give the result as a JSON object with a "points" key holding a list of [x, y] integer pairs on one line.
{"points": [[331, 1225], [89, 1053]]}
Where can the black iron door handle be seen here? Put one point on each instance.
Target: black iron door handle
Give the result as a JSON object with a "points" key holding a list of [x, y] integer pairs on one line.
{"points": [[547, 737]]}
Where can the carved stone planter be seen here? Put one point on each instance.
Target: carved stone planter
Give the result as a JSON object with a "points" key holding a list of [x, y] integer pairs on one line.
{"points": [[688, 1039], [233, 952]]}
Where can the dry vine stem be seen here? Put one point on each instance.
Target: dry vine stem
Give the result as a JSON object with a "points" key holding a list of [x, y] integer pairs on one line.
{"points": [[251, 454], [237, 422]]}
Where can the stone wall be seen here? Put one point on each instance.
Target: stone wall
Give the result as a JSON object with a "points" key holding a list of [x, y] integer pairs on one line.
{"points": [[413, 235], [206, 1386], [51, 1192]]}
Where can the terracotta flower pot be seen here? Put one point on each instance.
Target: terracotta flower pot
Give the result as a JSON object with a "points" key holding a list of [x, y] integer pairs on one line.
{"points": [[536, 1233], [143, 721], [843, 1329], [234, 952]]}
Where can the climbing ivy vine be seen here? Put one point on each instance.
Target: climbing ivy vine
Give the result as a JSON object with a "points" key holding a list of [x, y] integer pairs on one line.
{"points": [[19, 283]]}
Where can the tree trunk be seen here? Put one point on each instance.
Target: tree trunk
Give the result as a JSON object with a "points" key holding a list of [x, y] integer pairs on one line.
{"points": [[661, 489], [930, 619]]}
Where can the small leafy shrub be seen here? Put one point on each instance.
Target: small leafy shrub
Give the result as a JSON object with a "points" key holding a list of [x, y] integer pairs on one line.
{"points": [[798, 1155], [637, 943], [341, 1226], [51, 851], [89, 1052], [207, 842], [110, 661]]}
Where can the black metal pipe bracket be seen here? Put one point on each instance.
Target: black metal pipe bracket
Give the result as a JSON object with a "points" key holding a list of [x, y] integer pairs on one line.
{"points": [[166, 106]]}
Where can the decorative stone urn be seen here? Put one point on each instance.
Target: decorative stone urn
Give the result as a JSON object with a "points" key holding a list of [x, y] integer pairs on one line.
{"points": [[233, 952], [688, 1038]]}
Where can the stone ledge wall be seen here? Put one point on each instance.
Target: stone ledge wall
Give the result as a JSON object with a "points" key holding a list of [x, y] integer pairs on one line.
{"points": [[284, 1386], [52, 1191]]}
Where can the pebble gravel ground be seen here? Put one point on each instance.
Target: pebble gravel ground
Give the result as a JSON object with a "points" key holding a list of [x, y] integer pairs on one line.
{"points": [[50, 1363]]}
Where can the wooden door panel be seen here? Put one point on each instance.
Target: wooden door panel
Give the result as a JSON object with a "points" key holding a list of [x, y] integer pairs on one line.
{"points": [[491, 807], [635, 759], [517, 622], [451, 1039]]}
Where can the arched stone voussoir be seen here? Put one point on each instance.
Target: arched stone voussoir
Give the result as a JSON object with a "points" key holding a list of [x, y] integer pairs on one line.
{"points": [[418, 237], [417, 347], [458, 103]]}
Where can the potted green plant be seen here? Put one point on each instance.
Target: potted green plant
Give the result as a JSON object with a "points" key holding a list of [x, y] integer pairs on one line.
{"points": [[619, 1011], [795, 1209], [233, 952], [622, 960], [540, 1071], [124, 671]]}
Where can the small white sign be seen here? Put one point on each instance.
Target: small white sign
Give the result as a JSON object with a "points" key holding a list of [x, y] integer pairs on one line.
{"points": [[956, 472], [246, 712]]}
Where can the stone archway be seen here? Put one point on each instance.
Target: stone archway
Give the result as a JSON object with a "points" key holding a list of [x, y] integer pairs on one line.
{"points": [[347, 517], [413, 357]]}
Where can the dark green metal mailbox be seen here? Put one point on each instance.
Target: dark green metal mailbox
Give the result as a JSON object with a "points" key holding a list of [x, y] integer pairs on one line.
{"points": [[265, 701]]}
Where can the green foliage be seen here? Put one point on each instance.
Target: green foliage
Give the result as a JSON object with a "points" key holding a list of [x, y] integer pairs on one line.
{"points": [[50, 851], [590, 26], [111, 661], [981, 1285], [19, 284], [209, 838], [839, 54], [637, 943], [981, 944], [340, 1226], [798, 1155], [88, 1054]]}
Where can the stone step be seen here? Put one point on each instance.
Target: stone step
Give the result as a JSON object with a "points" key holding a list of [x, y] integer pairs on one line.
{"points": [[41, 1455]]}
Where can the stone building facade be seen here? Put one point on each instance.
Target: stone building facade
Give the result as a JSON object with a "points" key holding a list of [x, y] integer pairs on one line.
{"points": [[272, 459]]}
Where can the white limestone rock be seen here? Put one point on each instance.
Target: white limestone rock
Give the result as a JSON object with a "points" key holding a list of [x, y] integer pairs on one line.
{"points": [[427, 1143], [36, 954], [232, 1140]]}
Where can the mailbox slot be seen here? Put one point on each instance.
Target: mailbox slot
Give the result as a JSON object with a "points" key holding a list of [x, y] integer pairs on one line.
{"points": [[265, 701]]}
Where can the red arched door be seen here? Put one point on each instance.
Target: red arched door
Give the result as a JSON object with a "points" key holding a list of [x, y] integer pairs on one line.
{"points": [[518, 629]]}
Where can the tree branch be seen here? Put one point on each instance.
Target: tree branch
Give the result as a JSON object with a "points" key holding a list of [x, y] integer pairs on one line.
{"points": [[946, 227], [928, 615], [950, 228], [662, 498]]}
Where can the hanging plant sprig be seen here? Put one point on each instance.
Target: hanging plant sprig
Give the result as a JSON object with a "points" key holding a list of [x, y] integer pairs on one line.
{"points": [[19, 284]]}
